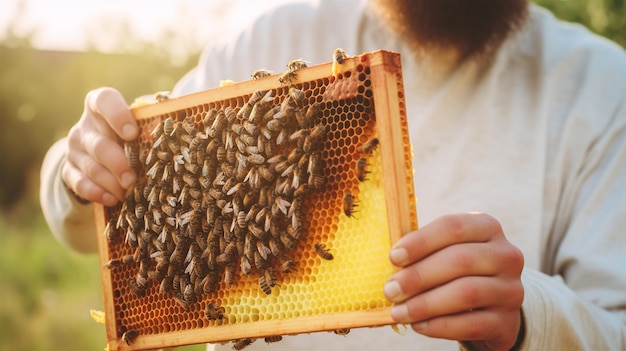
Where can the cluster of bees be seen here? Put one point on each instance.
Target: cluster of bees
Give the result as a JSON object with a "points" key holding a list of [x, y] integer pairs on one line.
{"points": [[223, 197]]}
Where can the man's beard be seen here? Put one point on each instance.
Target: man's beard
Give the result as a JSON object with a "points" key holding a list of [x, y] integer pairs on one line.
{"points": [[470, 27]]}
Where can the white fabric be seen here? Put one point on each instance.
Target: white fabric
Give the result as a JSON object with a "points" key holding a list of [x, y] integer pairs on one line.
{"points": [[534, 136]]}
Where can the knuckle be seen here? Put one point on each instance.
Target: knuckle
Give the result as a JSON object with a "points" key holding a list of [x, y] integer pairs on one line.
{"points": [[413, 278], [453, 225], [491, 223], [463, 259], [469, 293], [417, 308]]}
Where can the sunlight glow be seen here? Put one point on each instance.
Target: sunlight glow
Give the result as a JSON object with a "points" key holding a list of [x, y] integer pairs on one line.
{"points": [[77, 25]]}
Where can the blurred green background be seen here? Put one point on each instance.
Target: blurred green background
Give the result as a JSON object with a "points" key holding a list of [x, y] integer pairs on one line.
{"points": [[46, 291]]}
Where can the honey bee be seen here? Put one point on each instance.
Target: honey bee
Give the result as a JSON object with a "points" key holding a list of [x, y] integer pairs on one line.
{"points": [[181, 302], [342, 331], [130, 336], [349, 204], [245, 265], [287, 241], [260, 73], [287, 266], [287, 77], [274, 338], [168, 126], [209, 283], [361, 170], [230, 114], [214, 311], [229, 274], [296, 94], [369, 146], [296, 64], [132, 153], [339, 56], [263, 250], [323, 252], [264, 285], [240, 344], [311, 114], [274, 247]]}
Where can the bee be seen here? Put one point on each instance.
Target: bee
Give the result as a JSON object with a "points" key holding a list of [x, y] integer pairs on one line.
{"points": [[132, 153], [260, 73], [361, 170], [296, 64], [240, 344], [287, 77], [256, 159], [342, 331], [263, 250], [209, 117], [349, 204], [323, 252], [161, 96], [230, 113], [229, 274], [214, 311], [181, 302], [168, 126], [287, 266], [209, 283], [116, 262], [274, 338], [369, 146], [130, 336], [311, 113], [259, 262], [274, 247], [287, 241], [296, 94], [245, 265], [339, 56], [218, 125], [264, 285]]}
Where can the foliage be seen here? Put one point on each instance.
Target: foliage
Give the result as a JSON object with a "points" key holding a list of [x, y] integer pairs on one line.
{"points": [[604, 17], [41, 94]]}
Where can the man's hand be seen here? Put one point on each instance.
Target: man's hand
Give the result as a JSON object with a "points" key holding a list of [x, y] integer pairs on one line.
{"points": [[460, 280], [96, 168]]}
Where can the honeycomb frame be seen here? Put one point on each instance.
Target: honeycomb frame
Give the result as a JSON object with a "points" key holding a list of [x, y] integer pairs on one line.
{"points": [[320, 295]]}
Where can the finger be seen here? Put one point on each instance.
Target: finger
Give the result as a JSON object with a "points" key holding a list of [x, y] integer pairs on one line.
{"points": [[109, 154], [497, 329], [109, 104], [467, 293], [97, 173], [442, 232], [441, 267], [85, 188]]}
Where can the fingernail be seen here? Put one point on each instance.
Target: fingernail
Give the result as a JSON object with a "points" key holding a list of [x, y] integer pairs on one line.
{"points": [[392, 290], [399, 313], [398, 256], [418, 327], [128, 178], [128, 131]]}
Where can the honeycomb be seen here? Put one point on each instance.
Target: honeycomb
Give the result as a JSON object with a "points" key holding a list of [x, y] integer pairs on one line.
{"points": [[190, 257]]}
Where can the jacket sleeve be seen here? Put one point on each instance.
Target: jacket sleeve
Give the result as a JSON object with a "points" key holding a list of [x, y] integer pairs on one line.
{"points": [[579, 302], [69, 220]]}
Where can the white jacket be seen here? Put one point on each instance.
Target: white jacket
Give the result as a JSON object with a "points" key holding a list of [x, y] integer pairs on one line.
{"points": [[535, 136]]}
